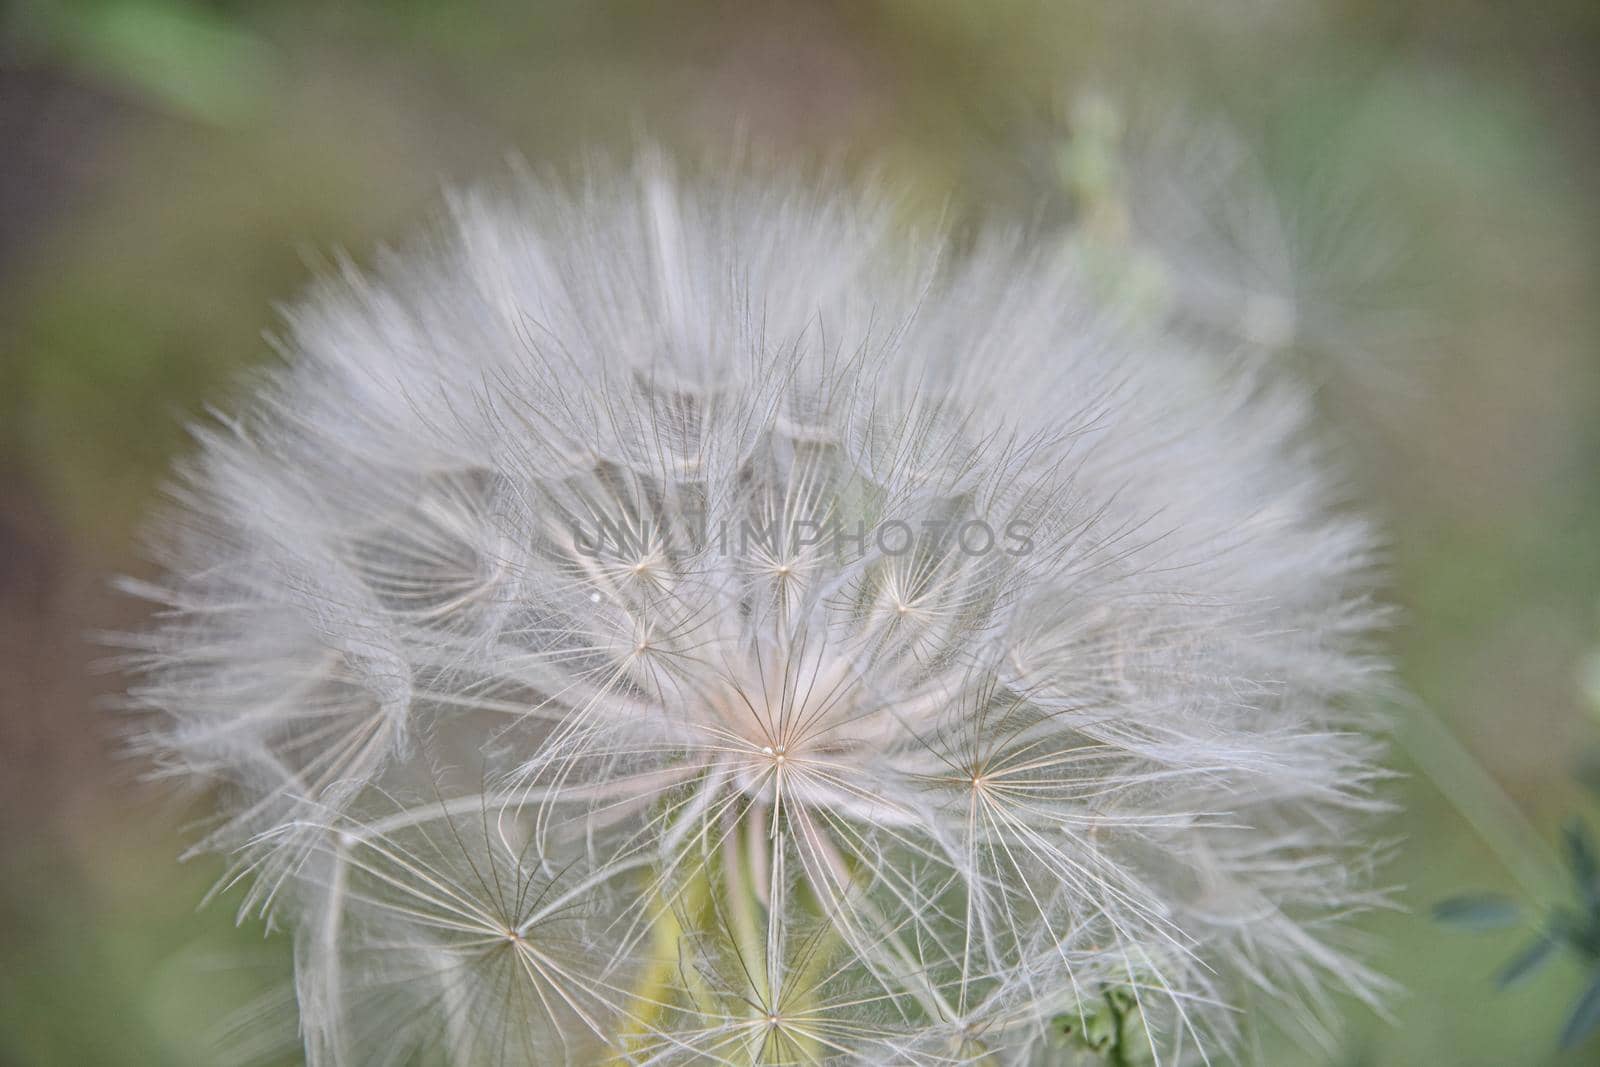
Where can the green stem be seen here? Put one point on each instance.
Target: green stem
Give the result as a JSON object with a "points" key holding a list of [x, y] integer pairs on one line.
{"points": [[1475, 793]]}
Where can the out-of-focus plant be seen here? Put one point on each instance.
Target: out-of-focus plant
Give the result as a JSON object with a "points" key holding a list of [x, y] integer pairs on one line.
{"points": [[1572, 929], [1184, 222], [180, 55]]}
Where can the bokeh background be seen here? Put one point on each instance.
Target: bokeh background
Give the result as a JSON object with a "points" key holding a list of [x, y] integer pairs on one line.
{"points": [[169, 169]]}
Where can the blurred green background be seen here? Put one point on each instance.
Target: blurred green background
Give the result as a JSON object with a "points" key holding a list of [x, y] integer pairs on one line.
{"points": [[170, 169]]}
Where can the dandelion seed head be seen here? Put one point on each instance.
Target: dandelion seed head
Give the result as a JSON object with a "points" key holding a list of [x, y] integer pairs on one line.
{"points": [[863, 650]]}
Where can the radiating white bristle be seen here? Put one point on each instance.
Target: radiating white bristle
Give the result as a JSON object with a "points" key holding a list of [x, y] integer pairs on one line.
{"points": [[687, 623]]}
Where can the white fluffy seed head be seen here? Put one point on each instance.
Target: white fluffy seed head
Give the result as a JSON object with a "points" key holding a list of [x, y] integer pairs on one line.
{"points": [[698, 623]]}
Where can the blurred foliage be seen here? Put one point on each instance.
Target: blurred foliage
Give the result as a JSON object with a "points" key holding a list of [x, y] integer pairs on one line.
{"points": [[187, 57], [237, 144], [1570, 928]]}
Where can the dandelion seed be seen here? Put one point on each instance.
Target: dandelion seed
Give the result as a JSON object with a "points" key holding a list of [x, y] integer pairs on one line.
{"points": [[763, 799]]}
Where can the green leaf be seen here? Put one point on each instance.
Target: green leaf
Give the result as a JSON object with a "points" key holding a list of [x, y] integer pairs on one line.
{"points": [[1582, 860], [1585, 1016], [1478, 911], [181, 55], [1528, 962]]}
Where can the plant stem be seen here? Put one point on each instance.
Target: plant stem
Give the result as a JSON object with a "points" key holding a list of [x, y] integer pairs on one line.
{"points": [[1475, 793]]}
